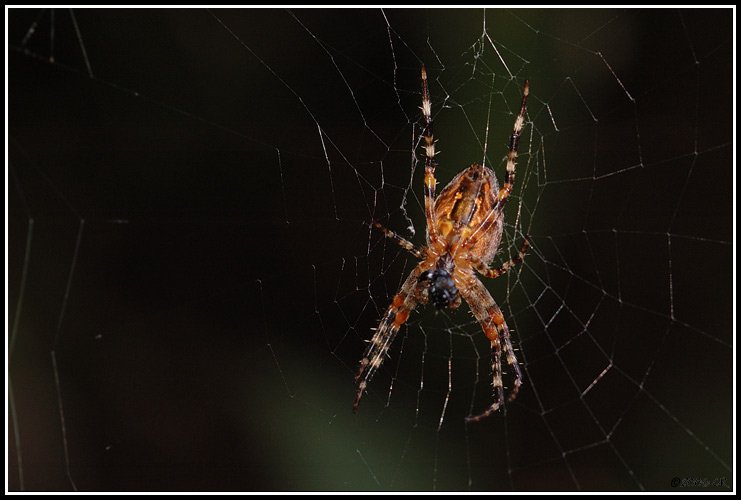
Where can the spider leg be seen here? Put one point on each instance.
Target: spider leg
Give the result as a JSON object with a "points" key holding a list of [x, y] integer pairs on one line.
{"points": [[403, 243], [430, 163], [495, 273], [514, 140], [509, 352], [491, 319], [395, 316]]}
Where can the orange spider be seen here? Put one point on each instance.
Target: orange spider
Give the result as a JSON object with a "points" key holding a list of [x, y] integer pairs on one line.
{"points": [[464, 228]]}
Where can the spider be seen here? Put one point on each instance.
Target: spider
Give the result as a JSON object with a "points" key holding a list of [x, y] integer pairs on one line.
{"points": [[464, 228]]}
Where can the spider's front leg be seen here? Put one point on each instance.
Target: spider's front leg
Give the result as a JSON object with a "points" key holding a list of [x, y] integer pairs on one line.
{"points": [[396, 315], [491, 319]]}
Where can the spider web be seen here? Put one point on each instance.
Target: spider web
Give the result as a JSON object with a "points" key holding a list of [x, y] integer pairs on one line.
{"points": [[192, 274]]}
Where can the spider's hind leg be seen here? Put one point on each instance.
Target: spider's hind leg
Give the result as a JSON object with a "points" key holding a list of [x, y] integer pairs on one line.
{"points": [[429, 147], [514, 141]]}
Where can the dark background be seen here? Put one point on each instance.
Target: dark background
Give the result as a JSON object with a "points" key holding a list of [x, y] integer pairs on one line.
{"points": [[191, 274]]}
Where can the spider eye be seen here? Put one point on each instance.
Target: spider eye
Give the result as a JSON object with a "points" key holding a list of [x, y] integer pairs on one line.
{"points": [[441, 289]]}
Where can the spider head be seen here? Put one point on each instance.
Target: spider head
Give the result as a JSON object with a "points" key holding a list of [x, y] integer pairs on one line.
{"points": [[441, 288]]}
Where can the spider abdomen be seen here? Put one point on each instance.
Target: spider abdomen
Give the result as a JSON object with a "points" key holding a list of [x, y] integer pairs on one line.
{"points": [[466, 206]]}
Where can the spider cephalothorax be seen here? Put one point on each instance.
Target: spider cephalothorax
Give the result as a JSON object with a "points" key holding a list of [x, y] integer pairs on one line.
{"points": [[437, 285], [464, 228], [441, 289]]}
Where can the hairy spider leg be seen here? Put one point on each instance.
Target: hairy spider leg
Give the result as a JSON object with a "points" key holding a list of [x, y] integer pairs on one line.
{"points": [[509, 353], [395, 316], [402, 242], [514, 141], [487, 272], [491, 319], [429, 147]]}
